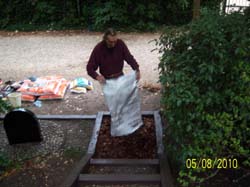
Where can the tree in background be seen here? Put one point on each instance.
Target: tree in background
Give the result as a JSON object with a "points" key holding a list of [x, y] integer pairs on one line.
{"points": [[196, 9], [96, 15]]}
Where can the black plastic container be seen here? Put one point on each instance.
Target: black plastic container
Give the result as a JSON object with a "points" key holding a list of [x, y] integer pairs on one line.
{"points": [[22, 126]]}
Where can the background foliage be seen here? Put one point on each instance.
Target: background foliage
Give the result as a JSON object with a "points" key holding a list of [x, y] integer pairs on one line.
{"points": [[95, 15], [205, 72]]}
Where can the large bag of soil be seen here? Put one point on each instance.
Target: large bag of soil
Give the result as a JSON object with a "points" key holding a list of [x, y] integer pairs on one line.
{"points": [[47, 87], [59, 94], [122, 97]]}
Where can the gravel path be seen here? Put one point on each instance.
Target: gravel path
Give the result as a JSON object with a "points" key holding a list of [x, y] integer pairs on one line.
{"points": [[64, 53], [57, 136], [42, 54]]}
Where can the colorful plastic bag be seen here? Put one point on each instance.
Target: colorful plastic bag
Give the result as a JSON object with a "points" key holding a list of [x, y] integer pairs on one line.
{"points": [[81, 82]]}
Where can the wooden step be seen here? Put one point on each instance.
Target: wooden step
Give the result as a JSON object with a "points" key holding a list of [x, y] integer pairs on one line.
{"points": [[118, 179], [125, 162]]}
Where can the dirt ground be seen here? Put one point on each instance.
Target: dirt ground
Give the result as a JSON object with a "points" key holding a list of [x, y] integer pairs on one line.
{"points": [[66, 53]]}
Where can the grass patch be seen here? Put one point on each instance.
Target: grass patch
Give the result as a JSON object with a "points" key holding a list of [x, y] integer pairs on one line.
{"points": [[73, 152]]}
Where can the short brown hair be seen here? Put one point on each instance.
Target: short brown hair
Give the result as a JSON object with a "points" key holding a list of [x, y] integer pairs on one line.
{"points": [[109, 31]]}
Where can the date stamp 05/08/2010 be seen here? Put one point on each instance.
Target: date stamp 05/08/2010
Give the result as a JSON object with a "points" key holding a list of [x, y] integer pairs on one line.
{"points": [[208, 163]]}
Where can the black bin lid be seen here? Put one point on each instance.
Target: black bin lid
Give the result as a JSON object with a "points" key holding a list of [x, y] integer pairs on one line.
{"points": [[20, 116]]}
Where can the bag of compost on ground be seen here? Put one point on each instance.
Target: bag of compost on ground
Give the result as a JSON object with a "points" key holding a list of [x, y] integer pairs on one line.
{"points": [[122, 98]]}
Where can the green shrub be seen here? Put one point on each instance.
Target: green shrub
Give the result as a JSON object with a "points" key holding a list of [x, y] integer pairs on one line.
{"points": [[73, 152], [110, 12], [143, 15], [205, 72], [5, 163], [44, 12], [139, 15], [4, 106]]}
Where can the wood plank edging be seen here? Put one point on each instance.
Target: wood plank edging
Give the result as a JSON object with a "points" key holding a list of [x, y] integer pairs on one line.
{"points": [[124, 162], [119, 179], [159, 132], [62, 117], [96, 129], [73, 116], [166, 176]]}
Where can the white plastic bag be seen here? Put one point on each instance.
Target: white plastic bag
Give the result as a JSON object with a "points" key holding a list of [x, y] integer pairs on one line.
{"points": [[123, 101]]}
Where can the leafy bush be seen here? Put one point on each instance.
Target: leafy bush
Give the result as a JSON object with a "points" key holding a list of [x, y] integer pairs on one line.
{"points": [[129, 14], [205, 72], [109, 12], [44, 12], [144, 15], [4, 106], [98, 15], [7, 164], [176, 12]]}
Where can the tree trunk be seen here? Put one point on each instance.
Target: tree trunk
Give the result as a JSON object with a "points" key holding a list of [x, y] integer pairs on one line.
{"points": [[196, 9], [224, 5], [78, 7]]}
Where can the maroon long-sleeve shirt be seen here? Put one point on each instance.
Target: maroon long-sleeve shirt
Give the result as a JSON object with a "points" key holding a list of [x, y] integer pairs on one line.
{"points": [[110, 60]]}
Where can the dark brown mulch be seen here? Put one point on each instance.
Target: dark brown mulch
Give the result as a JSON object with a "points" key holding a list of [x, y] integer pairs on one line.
{"points": [[141, 144]]}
